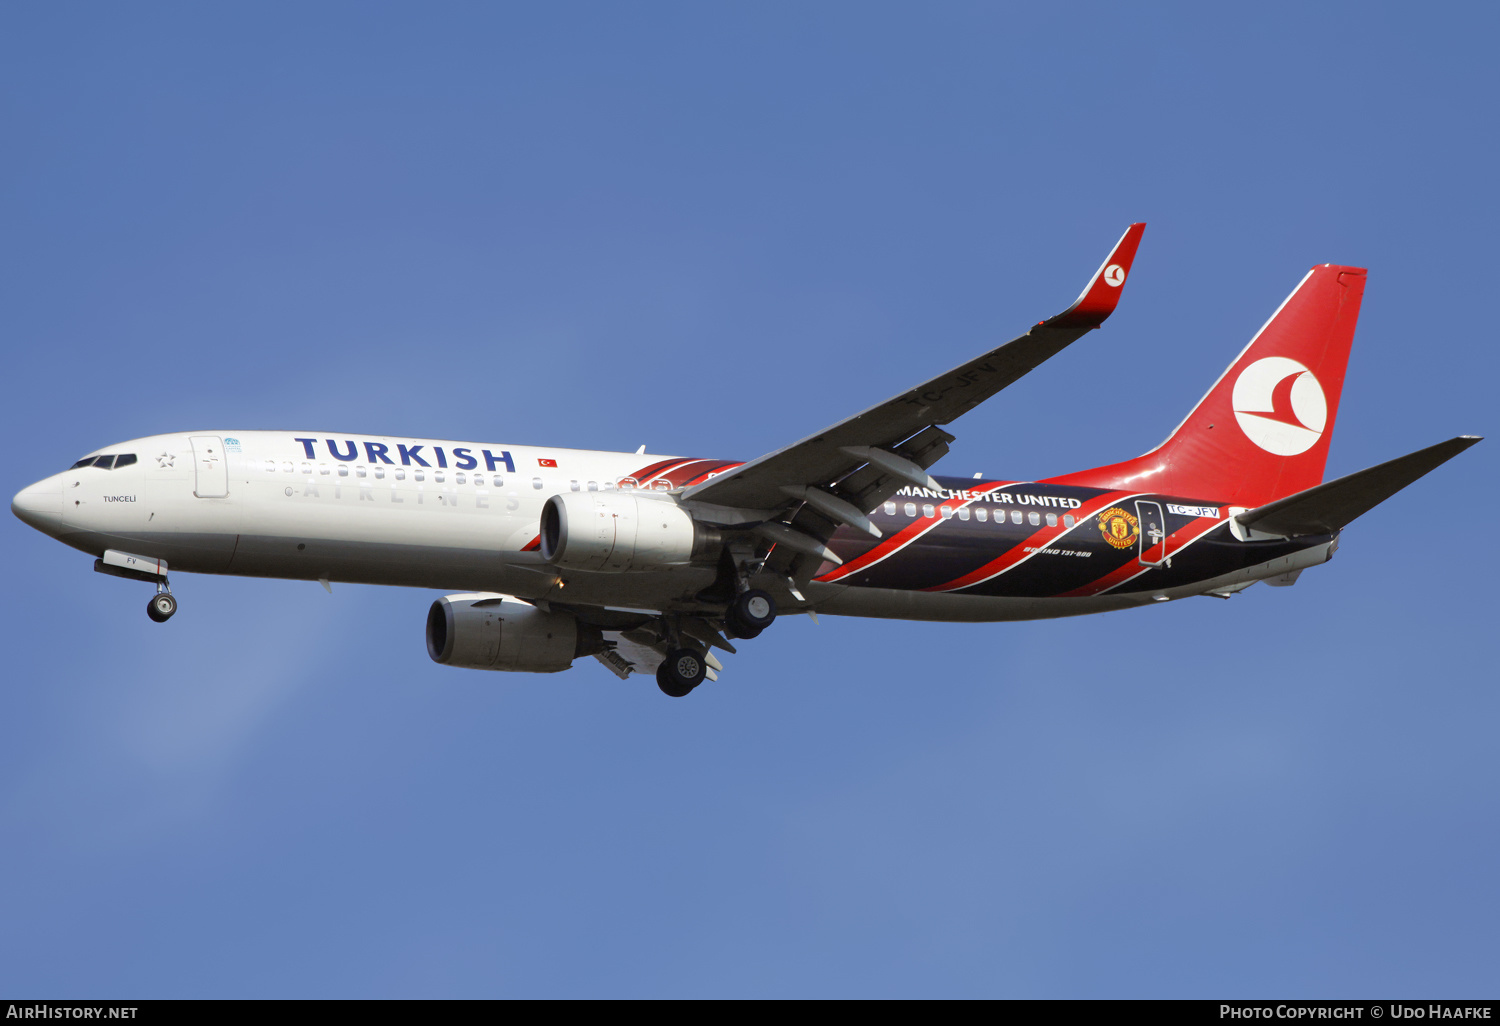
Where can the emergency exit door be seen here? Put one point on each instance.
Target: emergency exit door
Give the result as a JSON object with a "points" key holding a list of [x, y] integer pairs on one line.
{"points": [[212, 481], [1153, 532]]}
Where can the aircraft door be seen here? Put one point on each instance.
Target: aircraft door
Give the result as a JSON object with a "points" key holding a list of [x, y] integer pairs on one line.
{"points": [[212, 480], [1153, 531]]}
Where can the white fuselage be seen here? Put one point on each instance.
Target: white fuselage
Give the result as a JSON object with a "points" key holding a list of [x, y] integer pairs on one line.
{"points": [[360, 508]]}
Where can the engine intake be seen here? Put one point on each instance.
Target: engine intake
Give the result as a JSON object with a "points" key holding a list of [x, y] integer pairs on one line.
{"points": [[619, 531], [487, 631]]}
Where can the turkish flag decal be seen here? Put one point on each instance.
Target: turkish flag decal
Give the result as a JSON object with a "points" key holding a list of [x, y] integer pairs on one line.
{"points": [[546, 463]]}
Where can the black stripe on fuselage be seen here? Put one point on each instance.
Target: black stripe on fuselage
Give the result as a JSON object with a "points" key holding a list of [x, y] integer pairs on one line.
{"points": [[953, 547]]}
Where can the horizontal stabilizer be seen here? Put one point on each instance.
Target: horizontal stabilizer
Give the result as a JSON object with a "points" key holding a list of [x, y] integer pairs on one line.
{"points": [[1331, 506]]}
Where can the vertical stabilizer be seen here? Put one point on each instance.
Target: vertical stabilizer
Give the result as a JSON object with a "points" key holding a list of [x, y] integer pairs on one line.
{"points": [[1262, 431]]}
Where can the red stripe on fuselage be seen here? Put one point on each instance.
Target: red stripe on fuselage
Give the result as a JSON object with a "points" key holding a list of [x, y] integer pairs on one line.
{"points": [[1039, 539], [645, 477], [700, 470], [908, 534], [1172, 544], [649, 471]]}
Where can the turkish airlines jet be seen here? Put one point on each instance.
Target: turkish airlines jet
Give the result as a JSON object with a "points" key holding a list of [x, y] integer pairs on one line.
{"points": [[649, 562]]}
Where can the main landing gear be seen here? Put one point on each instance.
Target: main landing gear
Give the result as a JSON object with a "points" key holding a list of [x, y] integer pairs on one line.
{"points": [[750, 613], [683, 669], [162, 604], [681, 672]]}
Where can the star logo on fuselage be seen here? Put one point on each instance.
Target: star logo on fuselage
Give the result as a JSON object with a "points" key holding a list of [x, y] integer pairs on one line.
{"points": [[165, 460]]}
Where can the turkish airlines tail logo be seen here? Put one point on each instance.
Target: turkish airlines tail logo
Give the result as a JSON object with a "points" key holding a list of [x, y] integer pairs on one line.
{"points": [[1280, 406]]}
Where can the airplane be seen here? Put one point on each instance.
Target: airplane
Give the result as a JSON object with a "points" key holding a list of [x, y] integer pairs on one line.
{"points": [[648, 563]]}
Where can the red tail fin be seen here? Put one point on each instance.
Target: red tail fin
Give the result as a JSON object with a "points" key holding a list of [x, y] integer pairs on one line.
{"points": [[1262, 431]]}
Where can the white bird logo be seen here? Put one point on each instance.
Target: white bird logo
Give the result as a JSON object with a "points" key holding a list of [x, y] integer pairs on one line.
{"points": [[1280, 405]]}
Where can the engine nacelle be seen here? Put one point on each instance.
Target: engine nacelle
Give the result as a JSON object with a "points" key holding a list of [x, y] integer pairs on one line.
{"points": [[486, 631], [619, 531]]}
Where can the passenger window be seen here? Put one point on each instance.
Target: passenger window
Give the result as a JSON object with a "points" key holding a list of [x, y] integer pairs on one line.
{"points": [[271, 467], [125, 460], [286, 468], [947, 512], [323, 469], [1015, 516], [499, 482], [963, 512], [911, 509], [459, 478], [105, 462], [536, 483], [573, 485], [307, 468], [359, 471], [593, 486], [419, 475], [437, 475], [400, 475], [1051, 519], [343, 471], [1068, 520], [379, 472], [928, 511], [890, 509], [982, 513], [1035, 519]]}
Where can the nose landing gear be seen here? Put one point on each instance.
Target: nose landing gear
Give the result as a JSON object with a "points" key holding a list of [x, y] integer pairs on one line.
{"points": [[161, 607], [162, 604], [142, 568]]}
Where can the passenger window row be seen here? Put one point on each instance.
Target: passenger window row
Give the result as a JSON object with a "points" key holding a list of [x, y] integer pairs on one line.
{"points": [[981, 514], [108, 462], [379, 472]]}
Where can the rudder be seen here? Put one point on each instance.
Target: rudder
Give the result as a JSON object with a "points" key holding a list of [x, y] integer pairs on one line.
{"points": [[1263, 429]]}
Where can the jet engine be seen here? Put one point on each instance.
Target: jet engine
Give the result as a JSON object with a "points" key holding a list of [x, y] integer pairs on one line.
{"points": [[486, 631], [619, 531]]}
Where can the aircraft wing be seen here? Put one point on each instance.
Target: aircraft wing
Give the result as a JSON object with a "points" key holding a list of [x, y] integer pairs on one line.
{"points": [[861, 461]]}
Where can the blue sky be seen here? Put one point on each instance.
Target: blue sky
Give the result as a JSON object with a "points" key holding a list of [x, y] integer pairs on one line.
{"points": [[712, 229]]}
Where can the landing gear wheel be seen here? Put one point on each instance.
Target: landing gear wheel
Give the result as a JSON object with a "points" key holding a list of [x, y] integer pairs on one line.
{"points": [[750, 613], [161, 607], [681, 672]]}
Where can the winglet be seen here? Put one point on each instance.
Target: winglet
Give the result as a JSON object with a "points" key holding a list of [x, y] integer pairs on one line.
{"points": [[1103, 290]]}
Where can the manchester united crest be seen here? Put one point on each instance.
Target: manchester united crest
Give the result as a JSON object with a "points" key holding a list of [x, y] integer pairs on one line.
{"points": [[1119, 528]]}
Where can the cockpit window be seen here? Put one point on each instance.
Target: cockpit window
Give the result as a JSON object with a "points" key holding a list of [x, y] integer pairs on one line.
{"points": [[109, 461]]}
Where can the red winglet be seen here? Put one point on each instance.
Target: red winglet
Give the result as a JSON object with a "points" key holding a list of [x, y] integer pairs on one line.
{"points": [[1103, 290]]}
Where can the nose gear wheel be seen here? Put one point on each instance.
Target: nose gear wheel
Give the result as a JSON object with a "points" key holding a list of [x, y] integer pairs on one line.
{"points": [[161, 607]]}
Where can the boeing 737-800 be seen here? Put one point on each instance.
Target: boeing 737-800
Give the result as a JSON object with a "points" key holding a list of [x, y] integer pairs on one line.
{"points": [[649, 562]]}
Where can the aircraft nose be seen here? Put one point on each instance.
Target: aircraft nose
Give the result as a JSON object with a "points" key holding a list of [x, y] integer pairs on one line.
{"points": [[41, 504]]}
